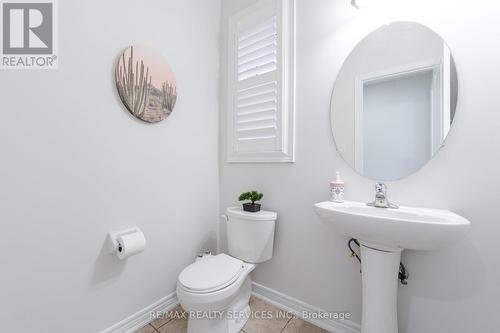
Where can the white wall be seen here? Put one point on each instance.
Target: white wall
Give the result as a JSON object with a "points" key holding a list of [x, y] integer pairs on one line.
{"points": [[453, 290], [76, 165]]}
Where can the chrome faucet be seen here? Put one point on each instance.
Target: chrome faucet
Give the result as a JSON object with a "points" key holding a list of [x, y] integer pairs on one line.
{"points": [[381, 200]]}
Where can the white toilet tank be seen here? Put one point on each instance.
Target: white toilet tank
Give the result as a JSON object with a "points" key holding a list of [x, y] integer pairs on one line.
{"points": [[250, 236]]}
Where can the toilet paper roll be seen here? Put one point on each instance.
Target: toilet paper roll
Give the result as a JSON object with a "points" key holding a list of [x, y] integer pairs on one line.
{"points": [[130, 244]]}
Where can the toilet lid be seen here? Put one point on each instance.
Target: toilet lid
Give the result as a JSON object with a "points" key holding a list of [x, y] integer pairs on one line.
{"points": [[212, 273]]}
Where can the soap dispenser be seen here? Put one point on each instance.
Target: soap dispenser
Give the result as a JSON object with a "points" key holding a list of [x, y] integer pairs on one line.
{"points": [[337, 189]]}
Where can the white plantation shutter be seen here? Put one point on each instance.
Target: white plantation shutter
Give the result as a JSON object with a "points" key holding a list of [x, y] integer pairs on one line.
{"points": [[260, 122], [257, 50]]}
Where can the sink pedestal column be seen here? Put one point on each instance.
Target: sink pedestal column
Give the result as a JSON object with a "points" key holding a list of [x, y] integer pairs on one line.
{"points": [[380, 268]]}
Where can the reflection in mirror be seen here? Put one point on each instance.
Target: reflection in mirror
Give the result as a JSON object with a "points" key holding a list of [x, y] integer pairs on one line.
{"points": [[394, 101]]}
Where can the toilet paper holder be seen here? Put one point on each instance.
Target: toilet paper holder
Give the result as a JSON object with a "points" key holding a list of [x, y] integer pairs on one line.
{"points": [[113, 244]]}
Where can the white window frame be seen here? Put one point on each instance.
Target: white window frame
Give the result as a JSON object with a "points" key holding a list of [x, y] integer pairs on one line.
{"points": [[285, 152]]}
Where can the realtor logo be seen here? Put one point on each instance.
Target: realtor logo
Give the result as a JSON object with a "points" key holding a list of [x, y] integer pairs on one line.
{"points": [[28, 35]]}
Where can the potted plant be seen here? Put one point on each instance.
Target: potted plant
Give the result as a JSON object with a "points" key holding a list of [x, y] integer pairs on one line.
{"points": [[253, 196]]}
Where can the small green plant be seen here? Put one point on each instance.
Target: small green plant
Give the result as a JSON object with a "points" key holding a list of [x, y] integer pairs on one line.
{"points": [[253, 196]]}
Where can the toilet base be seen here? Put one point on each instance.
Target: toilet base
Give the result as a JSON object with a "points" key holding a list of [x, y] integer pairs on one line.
{"points": [[230, 320]]}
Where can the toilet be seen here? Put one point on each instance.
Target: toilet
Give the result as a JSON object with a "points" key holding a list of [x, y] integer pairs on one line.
{"points": [[215, 290]]}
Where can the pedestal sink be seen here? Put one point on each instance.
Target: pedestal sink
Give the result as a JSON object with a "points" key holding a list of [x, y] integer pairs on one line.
{"points": [[383, 234]]}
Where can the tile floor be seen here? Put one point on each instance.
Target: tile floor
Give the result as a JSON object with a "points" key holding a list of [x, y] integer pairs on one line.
{"points": [[276, 324]]}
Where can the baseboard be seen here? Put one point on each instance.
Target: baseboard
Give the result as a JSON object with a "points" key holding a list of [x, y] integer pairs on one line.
{"points": [[143, 317], [280, 300], [297, 307]]}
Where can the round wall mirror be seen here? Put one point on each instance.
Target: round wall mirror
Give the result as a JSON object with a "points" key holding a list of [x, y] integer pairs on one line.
{"points": [[394, 101]]}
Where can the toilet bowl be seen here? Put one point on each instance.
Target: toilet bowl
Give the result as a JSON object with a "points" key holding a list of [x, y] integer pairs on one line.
{"points": [[215, 291]]}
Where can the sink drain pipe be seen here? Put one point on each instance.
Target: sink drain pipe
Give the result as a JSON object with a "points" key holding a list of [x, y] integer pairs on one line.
{"points": [[403, 274]]}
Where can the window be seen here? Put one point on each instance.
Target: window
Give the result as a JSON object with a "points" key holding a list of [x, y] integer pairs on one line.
{"points": [[260, 83]]}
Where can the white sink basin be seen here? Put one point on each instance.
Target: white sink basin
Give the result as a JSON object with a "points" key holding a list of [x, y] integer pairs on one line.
{"points": [[383, 233], [406, 227]]}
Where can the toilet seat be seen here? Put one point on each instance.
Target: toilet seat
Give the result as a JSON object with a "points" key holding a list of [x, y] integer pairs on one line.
{"points": [[212, 274]]}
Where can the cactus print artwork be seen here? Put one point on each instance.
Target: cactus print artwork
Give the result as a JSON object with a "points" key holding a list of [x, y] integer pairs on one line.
{"points": [[145, 83]]}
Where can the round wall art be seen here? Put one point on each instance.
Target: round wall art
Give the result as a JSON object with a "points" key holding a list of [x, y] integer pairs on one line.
{"points": [[145, 83]]}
